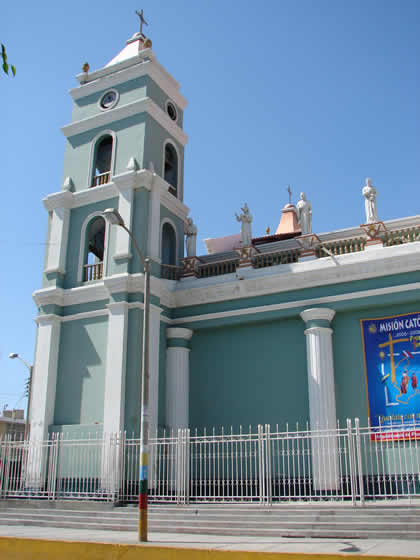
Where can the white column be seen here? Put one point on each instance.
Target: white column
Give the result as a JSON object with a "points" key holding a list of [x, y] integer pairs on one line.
{"points": [[57, 240], [44, 381], [154, 348], [114, 395], [178, 377], [153, 249], [125, 208], [321, 387]]}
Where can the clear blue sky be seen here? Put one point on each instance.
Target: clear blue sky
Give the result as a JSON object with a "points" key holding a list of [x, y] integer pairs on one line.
{"points": [[318, 94]]}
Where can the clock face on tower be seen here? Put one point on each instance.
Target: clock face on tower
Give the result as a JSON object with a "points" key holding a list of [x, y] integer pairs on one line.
{"points": [[108, 100]]}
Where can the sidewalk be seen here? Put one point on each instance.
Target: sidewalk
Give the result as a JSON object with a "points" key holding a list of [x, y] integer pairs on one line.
{"points": [[22, 543]]}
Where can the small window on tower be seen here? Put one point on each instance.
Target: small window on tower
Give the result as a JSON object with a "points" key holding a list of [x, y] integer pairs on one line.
{"points": [[171, 168], [102, 163], [171, 110], [108, 100]]}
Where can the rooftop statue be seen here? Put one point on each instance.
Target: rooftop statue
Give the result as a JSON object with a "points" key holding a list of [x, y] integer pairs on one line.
{"points": [[245, 218], [190, 231], [370, 193], [304, 214]]}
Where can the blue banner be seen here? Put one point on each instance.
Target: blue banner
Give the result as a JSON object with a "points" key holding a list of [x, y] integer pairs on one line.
{"points": [[391, 348]]}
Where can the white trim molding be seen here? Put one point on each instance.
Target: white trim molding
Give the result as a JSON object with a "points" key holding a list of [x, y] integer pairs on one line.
{"points": [[282, 278], [145, 105]]}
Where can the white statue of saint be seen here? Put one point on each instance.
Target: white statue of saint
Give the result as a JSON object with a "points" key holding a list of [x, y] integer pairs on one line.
{"points": [[304, 214], [190, 231], [370, 193], [245, 218]]}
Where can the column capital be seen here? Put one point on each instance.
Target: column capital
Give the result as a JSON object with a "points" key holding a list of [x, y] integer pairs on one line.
{"points": [[48, 319], [318, 316], [179, 332], [117, 307]]}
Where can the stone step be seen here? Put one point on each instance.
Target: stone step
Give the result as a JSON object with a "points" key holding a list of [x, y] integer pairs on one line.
{"points": [[233, 522], [332, 530], [221, 515]]}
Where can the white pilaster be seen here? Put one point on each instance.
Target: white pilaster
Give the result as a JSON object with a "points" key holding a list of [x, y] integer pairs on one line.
{"points": [[44, 381], [154, 347], [114, 397], [125, 208], [153, 248], [44, 374], [57, 240], [321, 387], [177, 378]]}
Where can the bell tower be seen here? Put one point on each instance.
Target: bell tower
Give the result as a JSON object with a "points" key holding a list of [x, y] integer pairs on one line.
{"points": [[125, 150]]}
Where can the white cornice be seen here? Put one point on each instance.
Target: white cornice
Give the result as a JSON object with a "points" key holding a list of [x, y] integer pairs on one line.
{"points": [[126, 180], [310, 274], [172, 203], [61, 199], [282, 278], [110, 76], [297, 304], [145, 105]]}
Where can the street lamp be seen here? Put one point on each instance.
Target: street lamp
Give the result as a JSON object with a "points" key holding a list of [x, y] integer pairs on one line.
{"points": [[115, 218], [28, 406]]}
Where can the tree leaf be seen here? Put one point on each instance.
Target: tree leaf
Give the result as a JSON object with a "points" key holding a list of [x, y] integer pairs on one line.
{"points": [[6, 67], [13, 70]]}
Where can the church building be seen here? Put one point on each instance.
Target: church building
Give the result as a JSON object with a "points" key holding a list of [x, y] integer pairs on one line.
{"points": [[296, 327]]}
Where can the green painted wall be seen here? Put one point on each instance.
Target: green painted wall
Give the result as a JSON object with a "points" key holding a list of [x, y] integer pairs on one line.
{"points": [[81, 372], [130, 133], [129, 92], [249, 374]]}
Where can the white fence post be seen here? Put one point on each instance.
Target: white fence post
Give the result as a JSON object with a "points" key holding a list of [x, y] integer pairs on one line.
{"points": [[359, 462], [52, 466], [261, 464], [352, 463], [268, 463]]}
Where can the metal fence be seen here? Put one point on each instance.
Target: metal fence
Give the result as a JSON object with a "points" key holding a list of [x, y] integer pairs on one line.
{"points": [[262, 465]]}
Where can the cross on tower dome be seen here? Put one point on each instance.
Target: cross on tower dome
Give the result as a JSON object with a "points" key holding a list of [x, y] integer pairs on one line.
{"points": [[142, 20]]}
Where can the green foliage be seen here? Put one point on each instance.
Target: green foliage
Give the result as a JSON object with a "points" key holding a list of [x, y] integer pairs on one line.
{"points": [[5, 64]]}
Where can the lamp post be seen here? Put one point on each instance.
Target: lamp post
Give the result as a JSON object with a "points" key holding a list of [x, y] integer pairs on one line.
{"points": [[115, 218], [28, 406]]}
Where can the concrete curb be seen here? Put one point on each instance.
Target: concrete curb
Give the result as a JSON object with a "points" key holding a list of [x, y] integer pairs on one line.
{"points": [[12, 548]]}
